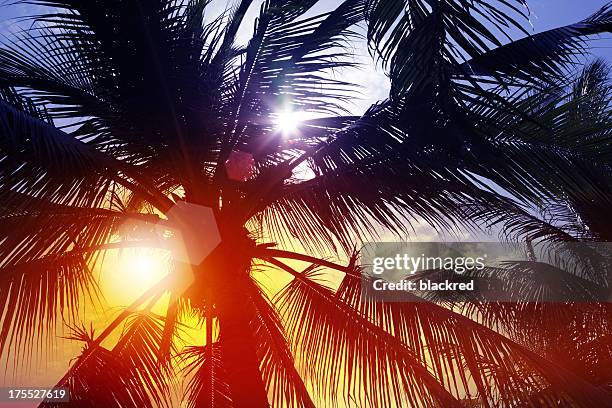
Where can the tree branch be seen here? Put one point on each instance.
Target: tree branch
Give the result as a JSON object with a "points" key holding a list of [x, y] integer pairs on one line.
{"points": [[269, 254]]}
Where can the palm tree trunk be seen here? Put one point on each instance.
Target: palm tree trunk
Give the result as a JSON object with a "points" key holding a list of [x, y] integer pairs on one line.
{"points": [[224, 271], [238, 351]]}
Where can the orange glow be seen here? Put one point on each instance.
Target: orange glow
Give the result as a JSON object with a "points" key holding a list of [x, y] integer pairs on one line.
{"points": [[127, 273]]}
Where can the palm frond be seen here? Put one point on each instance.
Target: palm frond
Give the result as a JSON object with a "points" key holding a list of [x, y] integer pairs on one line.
{"points": [[421, 42], [345, 355], [36, 295], [138, 348], [277, 362], [42, 161], [453, 343], [208, 386], [539, 57], [407, 166], [126, 376]]}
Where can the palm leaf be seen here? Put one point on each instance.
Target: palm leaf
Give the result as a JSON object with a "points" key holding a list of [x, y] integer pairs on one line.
{"points": [[208, 386], [138, 347], [344, 354], [452, 342], [539, 57], [102, 377], [277, 361]]}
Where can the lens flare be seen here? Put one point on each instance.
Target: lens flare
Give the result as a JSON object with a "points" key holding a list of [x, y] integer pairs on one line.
{"points": [[288, 121]]}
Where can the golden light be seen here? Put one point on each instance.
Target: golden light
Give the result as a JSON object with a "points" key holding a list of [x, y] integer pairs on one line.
{"points": [[143, 266], [127, 273]]}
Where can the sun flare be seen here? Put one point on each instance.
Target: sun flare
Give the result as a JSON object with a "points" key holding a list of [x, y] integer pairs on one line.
{"points": [[287, 122], [129, 272], [144, 266]]}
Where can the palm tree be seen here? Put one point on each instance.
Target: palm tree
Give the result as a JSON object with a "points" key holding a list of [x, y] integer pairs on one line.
{"points": [[146, 111]]}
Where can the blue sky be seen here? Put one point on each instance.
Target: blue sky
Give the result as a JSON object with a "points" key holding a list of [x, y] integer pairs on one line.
{"points": [[551, 13], [548, 14]]}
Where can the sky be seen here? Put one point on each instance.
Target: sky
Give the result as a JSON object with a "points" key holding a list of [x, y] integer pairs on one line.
{"points": [[545, 14]]}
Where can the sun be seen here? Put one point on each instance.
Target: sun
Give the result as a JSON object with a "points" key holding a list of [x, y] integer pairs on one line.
{"points": [[127, 273], [145, 266], [287, 121]]}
